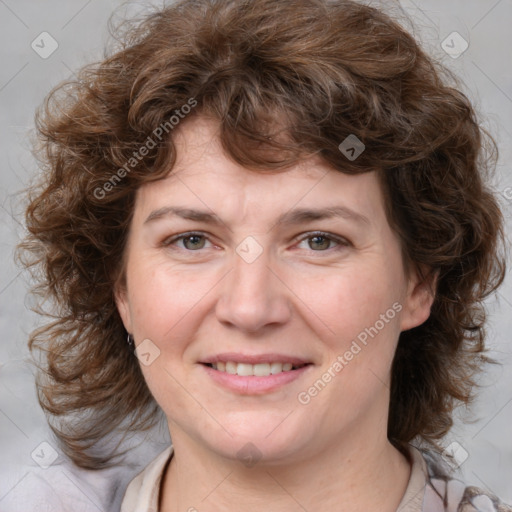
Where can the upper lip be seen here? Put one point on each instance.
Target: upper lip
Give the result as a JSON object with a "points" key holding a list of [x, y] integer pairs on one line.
{"points": [[254, 359]]}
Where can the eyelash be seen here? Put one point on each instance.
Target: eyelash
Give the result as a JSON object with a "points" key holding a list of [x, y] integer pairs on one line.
{"points": [[342, 242]]}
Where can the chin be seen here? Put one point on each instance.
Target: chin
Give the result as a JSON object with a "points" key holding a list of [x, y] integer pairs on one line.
{"points": [[266, 441]]}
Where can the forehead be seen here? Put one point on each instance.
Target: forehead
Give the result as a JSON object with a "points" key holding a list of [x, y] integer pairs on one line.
{"points": [[204, 177]]}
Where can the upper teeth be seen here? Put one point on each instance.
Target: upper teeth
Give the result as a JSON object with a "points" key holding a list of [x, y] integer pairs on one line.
{"points": [[259, 370]]}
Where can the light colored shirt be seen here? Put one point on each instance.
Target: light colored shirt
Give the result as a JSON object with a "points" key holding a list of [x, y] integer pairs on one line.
{"points": [[429, 489]]}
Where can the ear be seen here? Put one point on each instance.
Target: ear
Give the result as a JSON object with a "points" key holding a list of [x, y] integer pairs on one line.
{"points": [[123, 305], [420, 297]]}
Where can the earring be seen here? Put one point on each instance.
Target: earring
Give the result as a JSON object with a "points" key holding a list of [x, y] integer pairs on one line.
{"points": [[130, 340]]}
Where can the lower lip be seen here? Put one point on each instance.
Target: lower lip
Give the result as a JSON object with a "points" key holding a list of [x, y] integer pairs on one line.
{"points": [[252, 385]]}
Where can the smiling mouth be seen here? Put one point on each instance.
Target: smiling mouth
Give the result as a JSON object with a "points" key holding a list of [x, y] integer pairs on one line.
{"points": [[255, 370]]}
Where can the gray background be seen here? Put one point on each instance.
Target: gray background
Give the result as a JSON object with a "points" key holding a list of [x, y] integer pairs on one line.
{"points": [[80, 29]]}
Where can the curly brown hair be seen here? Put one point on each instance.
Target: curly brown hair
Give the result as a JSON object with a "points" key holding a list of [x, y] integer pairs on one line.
{"points": [[316, 71]]}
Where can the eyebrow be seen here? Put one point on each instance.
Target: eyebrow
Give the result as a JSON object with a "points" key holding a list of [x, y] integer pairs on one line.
{"points": [[296, 216]]}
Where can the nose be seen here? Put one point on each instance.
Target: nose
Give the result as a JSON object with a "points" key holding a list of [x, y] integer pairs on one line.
{"points": [[253, 296]]}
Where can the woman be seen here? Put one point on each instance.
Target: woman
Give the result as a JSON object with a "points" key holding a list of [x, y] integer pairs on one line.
{"points": [[270, 221]]}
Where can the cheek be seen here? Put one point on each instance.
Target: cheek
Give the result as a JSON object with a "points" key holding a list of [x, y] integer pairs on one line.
{"points": [[347, 301], [362, 311], [162, 295]]}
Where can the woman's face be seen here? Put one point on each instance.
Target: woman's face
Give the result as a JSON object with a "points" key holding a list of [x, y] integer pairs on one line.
{"points": [[257, 283]]}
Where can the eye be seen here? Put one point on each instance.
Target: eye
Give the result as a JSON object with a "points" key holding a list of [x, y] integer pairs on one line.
{"points": [[317, 241], [320, 241], [191, 241]]}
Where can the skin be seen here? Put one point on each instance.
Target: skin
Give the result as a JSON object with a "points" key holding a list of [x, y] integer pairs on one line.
{"points": [[302, 296]]}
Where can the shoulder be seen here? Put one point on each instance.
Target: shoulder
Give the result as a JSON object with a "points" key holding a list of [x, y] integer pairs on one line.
{"points": [[142, 493], [452, 494]]}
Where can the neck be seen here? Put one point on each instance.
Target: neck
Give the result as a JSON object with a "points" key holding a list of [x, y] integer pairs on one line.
{"points": [[359, 474]]}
